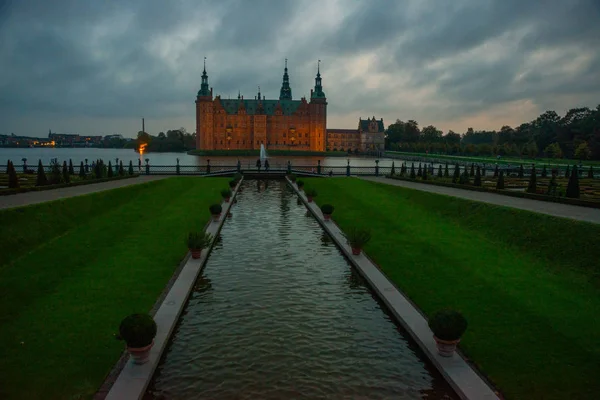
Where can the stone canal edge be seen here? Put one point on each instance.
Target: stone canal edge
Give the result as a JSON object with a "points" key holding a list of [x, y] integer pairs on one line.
{"points": [[465, 381], [133, 380]]}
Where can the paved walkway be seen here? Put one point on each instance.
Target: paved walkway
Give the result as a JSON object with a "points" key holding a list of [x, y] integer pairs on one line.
{"points": [[25, 199], [545, 207]]}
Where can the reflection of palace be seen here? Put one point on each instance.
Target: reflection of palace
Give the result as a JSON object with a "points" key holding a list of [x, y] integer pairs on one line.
{"points": [[283, 124]]}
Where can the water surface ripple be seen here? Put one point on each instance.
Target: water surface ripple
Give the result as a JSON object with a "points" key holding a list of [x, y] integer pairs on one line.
{"points": [[279, 314]]}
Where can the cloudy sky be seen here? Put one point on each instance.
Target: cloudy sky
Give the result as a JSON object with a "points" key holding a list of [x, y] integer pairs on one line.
{"points": [[97, 67]]}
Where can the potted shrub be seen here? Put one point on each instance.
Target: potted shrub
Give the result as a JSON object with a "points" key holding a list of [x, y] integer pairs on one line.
{"points": [[310, 193], [447, 327], [215, 211], [300, 184], [138, 332], [357, 239], [327, 210], [292, 177], [226, 193], [233, 183], [198, 241]]}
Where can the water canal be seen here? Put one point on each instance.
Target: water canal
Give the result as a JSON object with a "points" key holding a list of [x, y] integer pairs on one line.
{"points": [[278, 313]]}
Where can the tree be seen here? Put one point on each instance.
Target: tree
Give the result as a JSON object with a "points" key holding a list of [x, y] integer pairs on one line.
{"points": [[573, 185], [440, 170], [65, 173], [456, 175], [420, 172], [446, 172], [553, 150], [464, 177], [500, 182], [477, 181], [567, 172], [472, 173], [81, 171], [544, 172], [403, 169], [393, 171], [532, 186], [591, 172], [521, 171], [13, 179], [496, 171], [110, 170], [130, 167], [71, 169], [41, 180], [582, 152], [121, 170], [412, 171], [424, 173]]}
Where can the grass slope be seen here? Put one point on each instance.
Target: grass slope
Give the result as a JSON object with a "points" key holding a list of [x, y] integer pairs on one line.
{"points": [[527, 283], [70, 270]]}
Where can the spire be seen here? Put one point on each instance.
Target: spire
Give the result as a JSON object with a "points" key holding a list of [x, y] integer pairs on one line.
{"points": [[259, 92], [286, 92], [318, 91], [239, 95], [204, 91]]}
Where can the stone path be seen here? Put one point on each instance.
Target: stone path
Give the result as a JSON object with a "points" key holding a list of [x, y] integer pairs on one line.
{"points": [[545, 207], [24, 199]]}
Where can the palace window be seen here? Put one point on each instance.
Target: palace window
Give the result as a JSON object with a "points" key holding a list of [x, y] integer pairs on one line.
{"points": [[238, 142], [221, 142], [243, 142], [276, 142], [284, 142]]}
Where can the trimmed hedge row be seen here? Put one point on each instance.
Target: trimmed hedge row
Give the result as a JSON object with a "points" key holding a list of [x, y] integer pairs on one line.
{"points": [[7, 192], [542, 197]]}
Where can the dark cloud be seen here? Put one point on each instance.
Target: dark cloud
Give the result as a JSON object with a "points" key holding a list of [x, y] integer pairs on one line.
{"points": [[425, 60]]}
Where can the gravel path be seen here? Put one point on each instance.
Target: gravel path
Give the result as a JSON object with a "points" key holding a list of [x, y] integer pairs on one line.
{"points": [[25, 199], [545, 207]]}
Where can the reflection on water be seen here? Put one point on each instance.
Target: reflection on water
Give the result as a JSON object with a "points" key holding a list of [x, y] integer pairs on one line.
{"points": [[279, 314]]}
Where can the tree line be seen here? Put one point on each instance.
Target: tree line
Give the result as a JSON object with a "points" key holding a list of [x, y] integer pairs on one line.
{"points": [[172, 141], [576, 135]]}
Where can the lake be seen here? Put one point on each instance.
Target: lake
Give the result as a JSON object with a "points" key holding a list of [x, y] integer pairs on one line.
{"points": [[91, 154]]}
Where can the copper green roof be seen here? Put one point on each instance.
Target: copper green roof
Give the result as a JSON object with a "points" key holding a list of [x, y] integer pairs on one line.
{"points": [[288, 107]]}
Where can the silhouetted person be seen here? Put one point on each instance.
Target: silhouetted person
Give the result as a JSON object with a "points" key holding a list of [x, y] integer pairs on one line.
{"points": [[266, 165], [258, 164]]}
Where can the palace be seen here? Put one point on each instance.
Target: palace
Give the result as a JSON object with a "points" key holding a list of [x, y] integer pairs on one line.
{"points": [[243, 124], [283, 124]]}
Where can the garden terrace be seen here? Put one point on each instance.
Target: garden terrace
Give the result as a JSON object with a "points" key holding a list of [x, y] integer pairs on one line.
{"points": [[70, 270], [527, 283]]}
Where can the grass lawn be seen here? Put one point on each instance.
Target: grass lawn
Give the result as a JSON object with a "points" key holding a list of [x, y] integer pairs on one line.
{"points": [[70, 270], [528, 283], [503, 160]]}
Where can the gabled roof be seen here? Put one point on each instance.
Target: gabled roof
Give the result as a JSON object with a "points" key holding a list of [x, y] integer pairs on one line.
{"points": [[364, 125], [288, 107]]}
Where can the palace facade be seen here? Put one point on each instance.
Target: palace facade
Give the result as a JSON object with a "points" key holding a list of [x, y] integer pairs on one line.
{"points": [[245, 124], [368, 137]]}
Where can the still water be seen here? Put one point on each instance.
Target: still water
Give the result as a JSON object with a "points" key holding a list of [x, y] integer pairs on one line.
{"points": [[125, 155], [279, 314]]}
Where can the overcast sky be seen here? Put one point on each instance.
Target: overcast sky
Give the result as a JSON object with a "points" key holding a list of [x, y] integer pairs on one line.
{"points": [[97, 67]]}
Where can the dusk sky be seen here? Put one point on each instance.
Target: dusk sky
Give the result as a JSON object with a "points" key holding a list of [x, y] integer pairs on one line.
{"points": [[97, 67]]}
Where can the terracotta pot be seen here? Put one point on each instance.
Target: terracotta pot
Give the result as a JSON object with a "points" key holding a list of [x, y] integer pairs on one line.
{"points": [[140, 355], [446, 348], [226, 199], [309, 198], [196, 253], [326, 217], [216, 217], [356, 251]]}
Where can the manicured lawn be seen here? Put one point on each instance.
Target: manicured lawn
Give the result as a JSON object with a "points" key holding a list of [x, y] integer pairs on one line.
{"points": [[70, 270], [502, 160], [528, 284]]}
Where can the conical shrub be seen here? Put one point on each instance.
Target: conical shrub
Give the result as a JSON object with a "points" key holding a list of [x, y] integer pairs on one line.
{"points": [[500, 182], [532, 186], [41, 179], [573, 185]]}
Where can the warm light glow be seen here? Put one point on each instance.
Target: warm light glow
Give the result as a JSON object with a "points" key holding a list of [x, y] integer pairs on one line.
{"points": [[142, 147]]}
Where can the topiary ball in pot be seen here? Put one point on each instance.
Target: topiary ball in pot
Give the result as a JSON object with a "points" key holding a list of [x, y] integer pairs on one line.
{"points": [[138, 332], [447, 326]]}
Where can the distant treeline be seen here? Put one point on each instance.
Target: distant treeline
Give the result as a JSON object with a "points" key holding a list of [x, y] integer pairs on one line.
{"points": [[177, 140], [576, 135]]}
